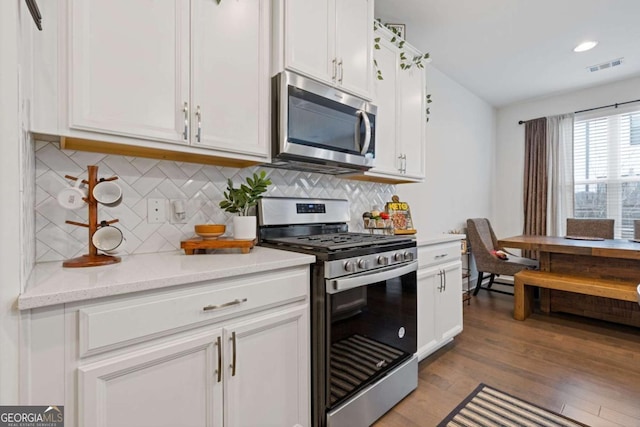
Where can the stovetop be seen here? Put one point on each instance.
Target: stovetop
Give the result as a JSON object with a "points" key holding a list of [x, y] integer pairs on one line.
{"points": [[338, 241], [319, 227]]}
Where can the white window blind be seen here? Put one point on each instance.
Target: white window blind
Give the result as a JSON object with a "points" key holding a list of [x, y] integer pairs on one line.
{"points": [[607, 169]]}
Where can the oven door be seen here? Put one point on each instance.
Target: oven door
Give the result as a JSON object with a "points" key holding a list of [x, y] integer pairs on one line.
{"points": [[371, 328]]}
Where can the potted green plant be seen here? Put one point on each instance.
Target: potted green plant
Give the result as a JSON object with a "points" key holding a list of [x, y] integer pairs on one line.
{"points": [[240, 200]]}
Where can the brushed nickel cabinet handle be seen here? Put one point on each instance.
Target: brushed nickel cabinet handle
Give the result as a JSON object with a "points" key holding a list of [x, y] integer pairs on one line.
{"points": [[341, 70], [199, 117], [444, 274], [219, 371], [185, 110], [226, 304], [334, 62], [233, 357]]}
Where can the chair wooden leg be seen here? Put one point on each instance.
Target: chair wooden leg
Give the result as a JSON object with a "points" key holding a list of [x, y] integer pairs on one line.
{"points": [[493, 276], [478, 283]]}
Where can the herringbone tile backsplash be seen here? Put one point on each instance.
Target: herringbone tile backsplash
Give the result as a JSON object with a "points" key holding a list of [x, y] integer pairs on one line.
{"points": [[200, 187]]}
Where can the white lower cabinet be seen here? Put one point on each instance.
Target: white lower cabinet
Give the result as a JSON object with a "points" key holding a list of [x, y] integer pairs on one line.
{"points": [[439, 296], [231, 352], [170, 385], [208, 379]]}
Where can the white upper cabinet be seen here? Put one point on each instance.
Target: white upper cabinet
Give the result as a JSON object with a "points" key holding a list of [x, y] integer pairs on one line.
{"points": [[400, 122], [191, 73], [129, 67], [331, 41], [354, 45], [230, 75], [386, 151], [412, 120]]}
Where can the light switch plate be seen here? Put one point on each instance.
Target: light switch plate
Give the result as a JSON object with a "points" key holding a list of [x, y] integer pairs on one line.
{"points": [[156, 211]]}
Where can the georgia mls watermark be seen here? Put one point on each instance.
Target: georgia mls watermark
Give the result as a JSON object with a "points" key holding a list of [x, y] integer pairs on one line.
{"points": [[31, 416]]}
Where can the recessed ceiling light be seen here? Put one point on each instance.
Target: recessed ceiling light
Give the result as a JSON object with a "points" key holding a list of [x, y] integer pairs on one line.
{"points": [[583, 47]]}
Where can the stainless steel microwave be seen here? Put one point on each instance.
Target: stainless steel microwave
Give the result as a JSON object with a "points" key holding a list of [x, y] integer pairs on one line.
{"points": [[319, 128]]}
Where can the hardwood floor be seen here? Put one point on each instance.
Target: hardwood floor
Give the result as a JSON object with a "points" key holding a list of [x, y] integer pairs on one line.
{"points": [[588, 370]]}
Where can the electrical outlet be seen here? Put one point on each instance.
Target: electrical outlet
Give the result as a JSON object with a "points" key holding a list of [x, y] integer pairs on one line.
{"points": [[156, 211]]}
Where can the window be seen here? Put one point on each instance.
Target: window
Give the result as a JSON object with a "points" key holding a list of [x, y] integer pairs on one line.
{"points": [[606, 162]]}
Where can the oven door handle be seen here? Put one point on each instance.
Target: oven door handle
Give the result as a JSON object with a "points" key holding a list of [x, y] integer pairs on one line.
{"points": [[344, 283]]}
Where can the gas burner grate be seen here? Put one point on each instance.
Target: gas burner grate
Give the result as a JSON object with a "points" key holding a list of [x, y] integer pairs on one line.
{"points": [[355, 361], [338, 241]]}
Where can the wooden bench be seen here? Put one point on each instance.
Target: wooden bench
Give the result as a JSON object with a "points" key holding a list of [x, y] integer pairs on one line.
{"points": [[525, 280]]}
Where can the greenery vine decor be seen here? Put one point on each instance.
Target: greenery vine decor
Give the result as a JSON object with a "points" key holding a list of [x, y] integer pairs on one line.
{"points": [[406, 63], [239, 200]]}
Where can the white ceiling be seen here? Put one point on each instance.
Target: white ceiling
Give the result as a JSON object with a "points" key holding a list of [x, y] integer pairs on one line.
{"points": [[506, 51]]}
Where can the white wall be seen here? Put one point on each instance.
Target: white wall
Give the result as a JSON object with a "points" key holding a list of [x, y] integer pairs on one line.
{"points": [[11, 138], [460, 158], [507, 208]]}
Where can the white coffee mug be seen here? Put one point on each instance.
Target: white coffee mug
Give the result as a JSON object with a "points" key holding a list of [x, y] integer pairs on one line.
{"points": [[72, 197], [107, 239], [107, 193]]}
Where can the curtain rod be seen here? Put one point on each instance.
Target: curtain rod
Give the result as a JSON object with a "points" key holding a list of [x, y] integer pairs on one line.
{"points": [[616, 105]]}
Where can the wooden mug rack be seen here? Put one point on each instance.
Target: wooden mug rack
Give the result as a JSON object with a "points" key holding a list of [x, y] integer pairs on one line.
{"points": [[93, 258]]}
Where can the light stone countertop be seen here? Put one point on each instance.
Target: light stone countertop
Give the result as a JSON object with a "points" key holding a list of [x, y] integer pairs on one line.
{"points": [[51, 284], [438, 238]]}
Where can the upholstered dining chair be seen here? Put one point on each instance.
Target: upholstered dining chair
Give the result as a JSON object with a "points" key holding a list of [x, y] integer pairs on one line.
{"points": [[590, 227], [484, 243]]}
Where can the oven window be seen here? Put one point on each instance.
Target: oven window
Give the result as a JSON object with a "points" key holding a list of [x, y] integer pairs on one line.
{"points": [[372, 329], [323, 123]]}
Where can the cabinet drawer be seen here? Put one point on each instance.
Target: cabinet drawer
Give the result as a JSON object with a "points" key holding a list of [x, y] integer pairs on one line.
{"points": [[112, 325], [438, 254]]}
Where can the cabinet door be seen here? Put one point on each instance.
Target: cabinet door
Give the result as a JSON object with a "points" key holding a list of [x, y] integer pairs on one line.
{"points": [[166, 385], [387, 57], [428, 281], [270, 385], [411, 119], [230, 75], [354, 45], [129, 67], [449, 302], [310, 38]]}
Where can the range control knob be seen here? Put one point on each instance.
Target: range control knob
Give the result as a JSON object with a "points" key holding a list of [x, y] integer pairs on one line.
{"points": [[383, 260], [398, 257], [364, 264], [350, 266], [408, 256]]}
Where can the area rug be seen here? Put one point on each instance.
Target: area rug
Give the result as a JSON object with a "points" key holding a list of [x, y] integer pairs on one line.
{"points": [[488, 407]]}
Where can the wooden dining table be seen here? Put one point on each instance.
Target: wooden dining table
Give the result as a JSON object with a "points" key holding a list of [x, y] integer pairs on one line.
{"points": [[612, 259]]}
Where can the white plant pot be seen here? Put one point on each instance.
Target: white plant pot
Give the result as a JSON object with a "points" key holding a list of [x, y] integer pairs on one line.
{"points": [[244, 227]]}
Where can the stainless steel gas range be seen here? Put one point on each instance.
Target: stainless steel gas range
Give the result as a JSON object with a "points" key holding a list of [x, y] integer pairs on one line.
{"points": [[363, 308]]}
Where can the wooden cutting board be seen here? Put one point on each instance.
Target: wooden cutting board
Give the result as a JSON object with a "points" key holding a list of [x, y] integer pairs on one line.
{"points": [[190, 246]]}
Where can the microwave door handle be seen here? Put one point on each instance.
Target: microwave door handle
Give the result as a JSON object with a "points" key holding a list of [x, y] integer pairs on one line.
{"points": [[367, 132], [342, 284]]}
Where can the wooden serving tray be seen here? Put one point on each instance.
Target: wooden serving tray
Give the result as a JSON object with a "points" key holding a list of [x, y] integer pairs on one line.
{"points": [[195, 243], [409, 231]]}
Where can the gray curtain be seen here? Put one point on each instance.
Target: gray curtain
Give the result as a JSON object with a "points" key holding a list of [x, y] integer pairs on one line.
{"points": [[535, 180]]}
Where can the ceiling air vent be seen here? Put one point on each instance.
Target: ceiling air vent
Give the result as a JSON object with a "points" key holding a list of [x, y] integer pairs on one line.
{"points": [[605, 65]]}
